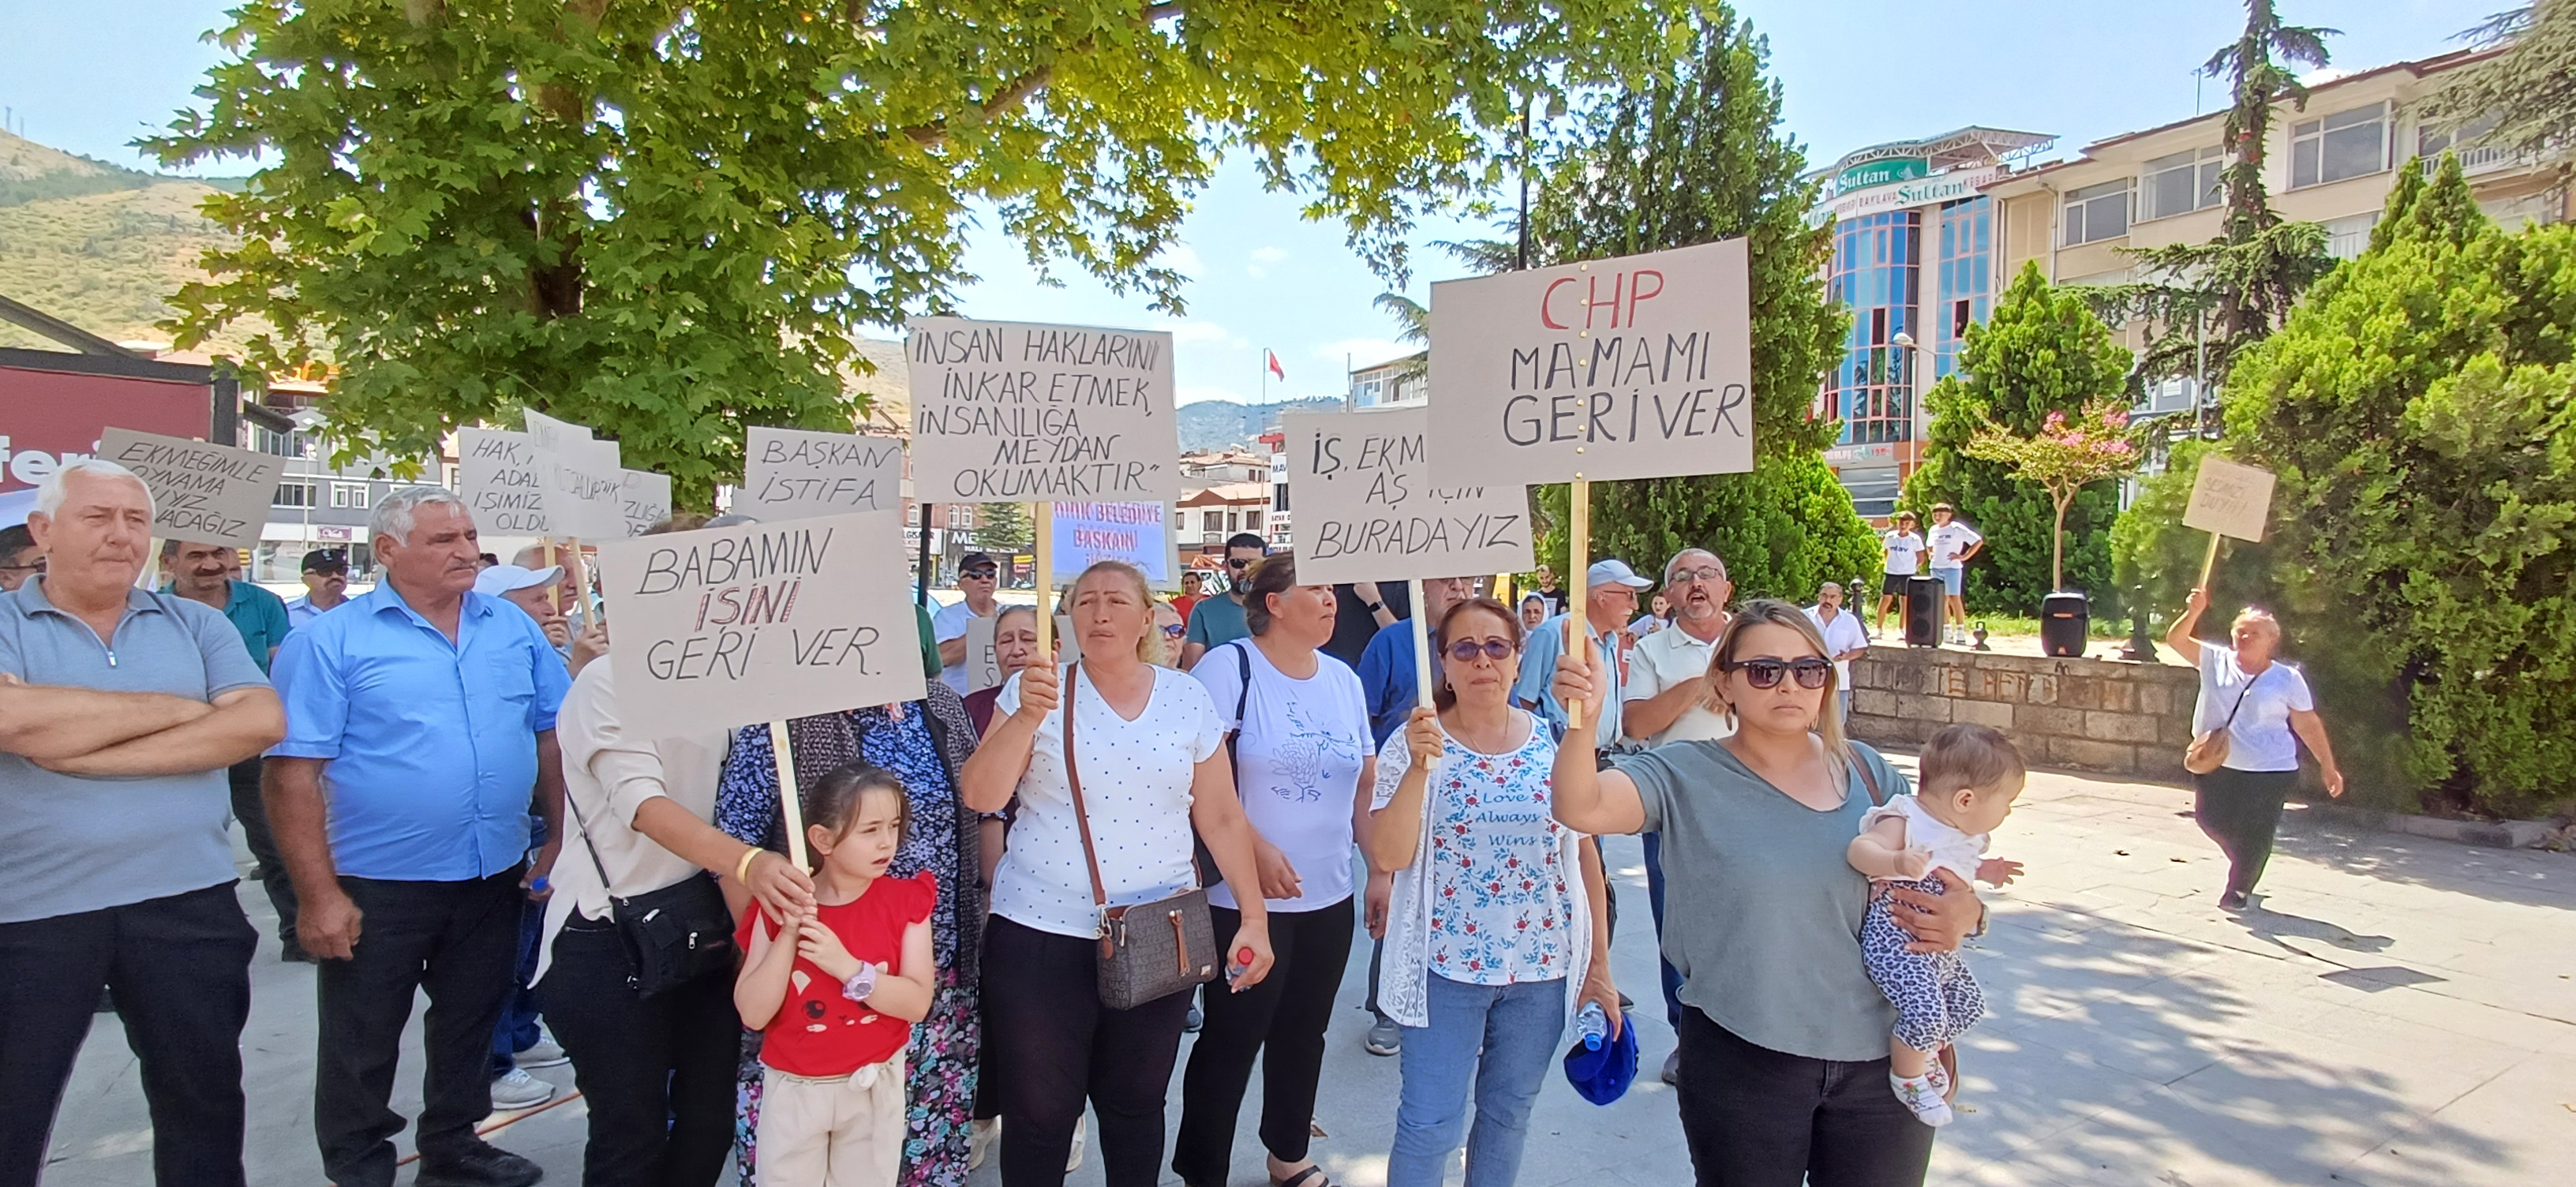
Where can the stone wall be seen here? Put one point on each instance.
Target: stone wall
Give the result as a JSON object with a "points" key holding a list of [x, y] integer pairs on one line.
{"points": [[2085, 714]]}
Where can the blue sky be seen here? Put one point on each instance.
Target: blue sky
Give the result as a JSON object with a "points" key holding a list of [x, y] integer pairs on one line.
{"points": [[90, 76]]}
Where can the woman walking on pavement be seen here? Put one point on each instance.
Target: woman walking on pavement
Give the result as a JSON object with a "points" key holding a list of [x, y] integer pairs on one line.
{"points": [[2261, 709], [1303, 766], [1493, 935]]}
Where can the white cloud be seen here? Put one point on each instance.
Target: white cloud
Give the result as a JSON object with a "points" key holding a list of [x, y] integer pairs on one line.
{"points": [[1363, 352], [1181, 258], [1201, 331], [1262, 258]]}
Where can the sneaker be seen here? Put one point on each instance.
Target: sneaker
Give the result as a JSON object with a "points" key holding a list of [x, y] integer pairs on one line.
{"points": [[480, 1166], [1196, 1019], [979, 1141], [546, 1053], [1673, 1067], [516, 1089], [1081, 1132], [1924, 1097], [1384, 1037]]}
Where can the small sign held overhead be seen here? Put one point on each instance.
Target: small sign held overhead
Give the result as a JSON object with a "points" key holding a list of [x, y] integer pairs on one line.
{"points": [[202, 493], [1014, 412], [496, 475], [2229, 499], [1367, 509], [793, 473]]}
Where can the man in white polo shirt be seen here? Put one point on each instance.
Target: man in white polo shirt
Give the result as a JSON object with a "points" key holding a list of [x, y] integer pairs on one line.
{"points": [[1952, 545]]}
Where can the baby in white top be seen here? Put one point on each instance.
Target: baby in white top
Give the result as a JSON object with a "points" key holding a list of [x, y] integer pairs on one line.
{"points": [[1971, 776]]}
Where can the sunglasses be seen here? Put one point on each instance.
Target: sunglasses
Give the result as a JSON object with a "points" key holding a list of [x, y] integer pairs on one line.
{"points": [[987, 572], [1464, 650], [1175, 631], [1236, 562], [1765, 673]]}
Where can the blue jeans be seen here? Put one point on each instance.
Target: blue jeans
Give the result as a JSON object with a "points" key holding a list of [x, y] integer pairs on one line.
{"points": [[1672, 977], [1516, 1027]]}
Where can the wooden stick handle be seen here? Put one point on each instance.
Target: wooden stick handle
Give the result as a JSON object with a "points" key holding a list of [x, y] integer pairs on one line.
{"points": [[1421, 645], [791, 803], [1042, 515], [2209, 563], [1577, 584]]}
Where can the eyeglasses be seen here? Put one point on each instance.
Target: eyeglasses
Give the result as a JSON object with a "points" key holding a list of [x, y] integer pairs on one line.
{"points": [[1236, 562], [1765, 673], [1464, 650], [1176, 631], [34, 566], [986, 572], [1678, 576]]}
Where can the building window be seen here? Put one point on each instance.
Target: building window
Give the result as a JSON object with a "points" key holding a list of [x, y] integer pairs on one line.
{"points": [[1251, 521], [2339, 146], [1967, 279], [1212, 521], [292, 494], [2349, 236], [2181, 183], [2097, 212], [349, 495], [1877, 270], [2431, 141]]}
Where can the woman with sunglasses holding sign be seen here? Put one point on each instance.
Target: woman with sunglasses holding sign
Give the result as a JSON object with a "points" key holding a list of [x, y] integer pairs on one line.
{"points": [[1493, 937], [1783, 1035]]}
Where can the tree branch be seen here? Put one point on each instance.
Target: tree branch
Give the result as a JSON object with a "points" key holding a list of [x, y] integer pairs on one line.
{"points": [[1019, 90]]}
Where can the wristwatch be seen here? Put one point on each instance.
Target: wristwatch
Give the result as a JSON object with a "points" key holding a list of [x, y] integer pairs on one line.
{"points": [[1374, 607], [861, 983]]}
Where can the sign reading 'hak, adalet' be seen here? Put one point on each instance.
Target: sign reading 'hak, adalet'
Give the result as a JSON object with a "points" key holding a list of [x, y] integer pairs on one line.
{"points": [[496, 475], [1367, 509], [202, 493], [1013, 412], [761, 622], [793, 473], [1637, 367]]}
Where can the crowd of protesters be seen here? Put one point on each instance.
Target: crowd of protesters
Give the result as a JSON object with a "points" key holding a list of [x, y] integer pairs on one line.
{"points": [[439, 797]]}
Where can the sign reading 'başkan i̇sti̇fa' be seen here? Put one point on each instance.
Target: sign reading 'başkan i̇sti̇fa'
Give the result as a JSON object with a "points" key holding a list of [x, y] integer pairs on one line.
{"points": [[1636, 367], [793, 473], [1013, 412], [1367, 509]]}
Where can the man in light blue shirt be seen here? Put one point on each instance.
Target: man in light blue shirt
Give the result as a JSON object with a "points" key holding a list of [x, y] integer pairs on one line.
{"points": [[420, 733], [1609, 601]]}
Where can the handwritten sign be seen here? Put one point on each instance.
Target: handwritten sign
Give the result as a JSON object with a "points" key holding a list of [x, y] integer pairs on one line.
{"points": [[1367, 509], [1012, 412], [202, 493], [1137, 533], [1637, 367], [2229, 499], [545, 432], [793, 473], [496, 475], [761, 622], [645, 501], [584, 488], [983, 670]]}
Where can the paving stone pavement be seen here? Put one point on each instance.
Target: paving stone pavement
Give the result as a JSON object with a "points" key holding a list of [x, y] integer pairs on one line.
{"points": [[2397, 1013]]}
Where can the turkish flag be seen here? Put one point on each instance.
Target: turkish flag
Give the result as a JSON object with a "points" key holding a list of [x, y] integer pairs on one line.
{"points": [[1273, 361]]}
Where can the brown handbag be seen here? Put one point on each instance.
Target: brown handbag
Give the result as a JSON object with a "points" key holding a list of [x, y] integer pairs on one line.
{"points": [[1150, 950], [2208, 750]]}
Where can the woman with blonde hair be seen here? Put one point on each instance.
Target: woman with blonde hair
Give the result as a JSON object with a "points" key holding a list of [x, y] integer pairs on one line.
{"points": [[1150, 742], [2261, 710], [1783, 1036]]}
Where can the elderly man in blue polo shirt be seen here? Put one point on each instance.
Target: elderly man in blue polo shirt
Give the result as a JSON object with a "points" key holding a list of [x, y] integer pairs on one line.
{"points": [[420, 733], [119, 711]]}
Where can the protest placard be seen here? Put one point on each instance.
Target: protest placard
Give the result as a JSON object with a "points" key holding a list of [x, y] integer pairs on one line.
{"points": [[1012, 412], [645, 501], [202, 493], [730, 626], [1137, 533], [1636, 367], [982, 669], [583, 486], [496, 475], [2229, 499], [545, 432], [1367, 509], [793, 473]]}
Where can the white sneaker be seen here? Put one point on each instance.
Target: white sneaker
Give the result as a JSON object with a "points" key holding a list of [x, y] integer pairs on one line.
{"points": [[546, 1053], [1924, 1097], [519, 1090], [1081, 1130], [979, 1140]]}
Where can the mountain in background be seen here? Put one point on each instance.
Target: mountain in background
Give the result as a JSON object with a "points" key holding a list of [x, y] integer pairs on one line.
{"points": [[1216, 424], [98, 245]]}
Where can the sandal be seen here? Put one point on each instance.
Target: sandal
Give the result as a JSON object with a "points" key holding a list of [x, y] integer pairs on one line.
{"points": [[1315, 1172]]}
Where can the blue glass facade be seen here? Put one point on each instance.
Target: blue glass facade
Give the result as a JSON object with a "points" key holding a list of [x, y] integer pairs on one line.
{"points": [[1876, 271], [1966, 276]]}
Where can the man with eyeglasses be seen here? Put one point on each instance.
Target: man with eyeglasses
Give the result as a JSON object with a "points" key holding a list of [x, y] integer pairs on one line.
{"points": [[1219, 620], [977, 577], [1609, 601], [20, 559]]}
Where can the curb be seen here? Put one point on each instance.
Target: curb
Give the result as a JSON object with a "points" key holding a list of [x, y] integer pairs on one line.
{"points": [[2491, 834]]}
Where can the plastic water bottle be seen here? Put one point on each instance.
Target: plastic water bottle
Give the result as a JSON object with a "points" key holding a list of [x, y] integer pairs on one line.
{"points": [[1593, 1026]]}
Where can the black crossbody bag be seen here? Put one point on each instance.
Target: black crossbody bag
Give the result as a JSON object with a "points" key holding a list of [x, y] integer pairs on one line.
{"points": [[674, 935]]}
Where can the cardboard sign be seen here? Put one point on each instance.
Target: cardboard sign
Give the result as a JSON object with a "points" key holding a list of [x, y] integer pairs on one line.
{"points": [[982, 669], [2229, 499], [726, 627], [1137, 533], [545, 432], [1011, 412], [645, 501], [1367, 509], [584, 488], [202, 493], [1638, 367], [496, 475], [793, 473]]}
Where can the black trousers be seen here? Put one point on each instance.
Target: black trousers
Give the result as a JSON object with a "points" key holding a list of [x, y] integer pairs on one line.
{"points": [[2241, 810], [657, 1073], [253, 814], [1050, 1044], [458, 940], [1282, 1020], [180, 969], [1755, 1117]]}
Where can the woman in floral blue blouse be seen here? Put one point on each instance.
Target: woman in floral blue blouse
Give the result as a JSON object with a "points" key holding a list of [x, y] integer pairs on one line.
{"points": [[1491, 942]]}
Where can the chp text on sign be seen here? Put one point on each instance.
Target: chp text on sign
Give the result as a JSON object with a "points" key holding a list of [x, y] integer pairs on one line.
{"points": [[1368, 510], [1015, 412], [1636, 367], [761, 622], [201, 492]]}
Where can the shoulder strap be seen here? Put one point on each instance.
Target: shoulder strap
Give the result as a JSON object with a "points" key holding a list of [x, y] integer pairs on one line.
{"points": [[1869, 779], [1073, 783], [2241, 694], [583, 828], [1242, 698]]}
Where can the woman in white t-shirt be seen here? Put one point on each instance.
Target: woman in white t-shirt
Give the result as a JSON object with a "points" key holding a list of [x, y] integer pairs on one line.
{"points": [[1305, 770], [1148, 747], [2264, 706]]}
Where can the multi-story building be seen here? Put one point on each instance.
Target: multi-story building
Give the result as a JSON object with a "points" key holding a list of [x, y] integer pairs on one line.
{"points": [[1396, 381]]}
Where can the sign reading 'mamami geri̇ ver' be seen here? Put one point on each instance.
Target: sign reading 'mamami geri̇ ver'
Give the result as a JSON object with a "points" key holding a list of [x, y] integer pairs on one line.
{"points": [[761, 622], [1637, 367], [1367, 509], [1012, 412], [202, 493]]}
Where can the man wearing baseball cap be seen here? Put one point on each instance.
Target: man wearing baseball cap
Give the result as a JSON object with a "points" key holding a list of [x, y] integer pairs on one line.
{"points": [[1609, 601], [326, 584]]}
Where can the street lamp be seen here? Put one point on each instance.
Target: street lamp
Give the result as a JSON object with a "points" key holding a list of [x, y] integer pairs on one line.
{"points": [[1915, 392]]}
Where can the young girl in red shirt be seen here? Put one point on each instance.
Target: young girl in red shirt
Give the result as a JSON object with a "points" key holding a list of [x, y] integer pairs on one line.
{"points": [[837, 1005]]}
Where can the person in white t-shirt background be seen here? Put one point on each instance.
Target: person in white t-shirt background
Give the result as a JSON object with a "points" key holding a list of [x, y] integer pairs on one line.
{"points": [[1953, 545], [2266, 709], [1904, 547]]}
